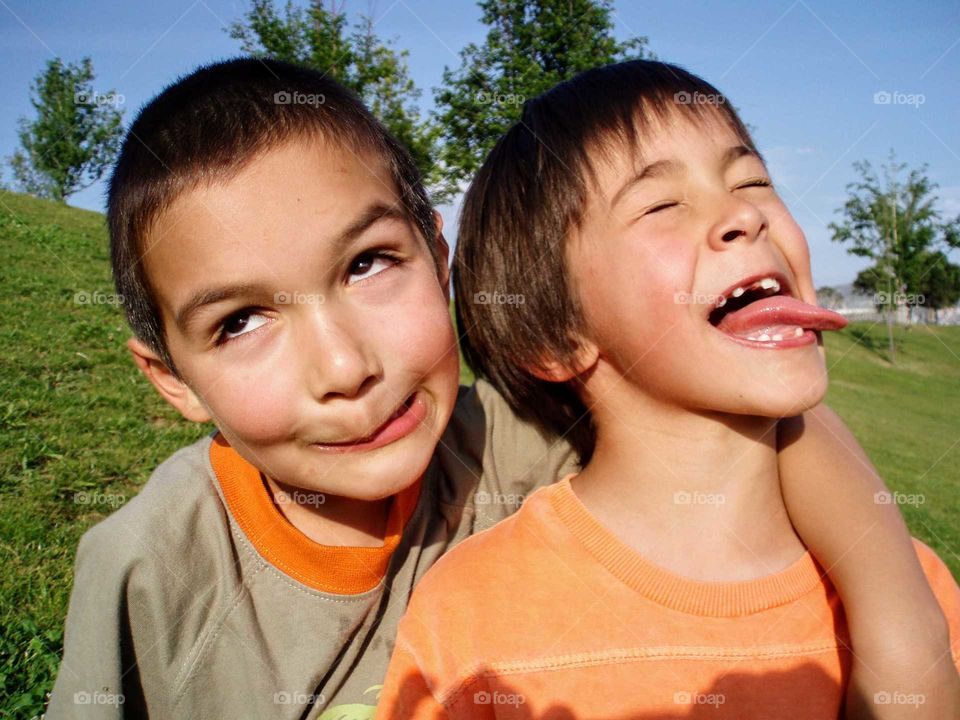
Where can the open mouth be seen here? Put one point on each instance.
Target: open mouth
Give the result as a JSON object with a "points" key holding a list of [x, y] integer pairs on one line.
{"points": [[761, 311]]}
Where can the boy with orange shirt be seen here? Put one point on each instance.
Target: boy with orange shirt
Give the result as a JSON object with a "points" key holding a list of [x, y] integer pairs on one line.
{"points": [[286, 278], [668, 322]]}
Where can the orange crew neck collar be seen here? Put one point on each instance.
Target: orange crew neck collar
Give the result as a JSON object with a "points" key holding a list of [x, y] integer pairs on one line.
{"points": [[695, 597], [333, 569]]}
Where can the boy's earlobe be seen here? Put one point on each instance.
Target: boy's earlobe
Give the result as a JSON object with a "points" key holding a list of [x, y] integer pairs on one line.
{"points": [[171, 388], [553, 370], [442, 250]]}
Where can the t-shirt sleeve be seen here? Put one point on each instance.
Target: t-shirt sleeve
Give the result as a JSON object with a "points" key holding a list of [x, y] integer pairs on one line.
{"points": [[406, 693], [946, 591], [98, 676]]}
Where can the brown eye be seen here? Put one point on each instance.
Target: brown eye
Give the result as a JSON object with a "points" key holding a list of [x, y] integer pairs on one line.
{"points": [[240, 323]]}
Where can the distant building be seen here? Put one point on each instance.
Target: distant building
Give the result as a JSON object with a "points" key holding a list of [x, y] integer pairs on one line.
{"points": [[859, 306]]}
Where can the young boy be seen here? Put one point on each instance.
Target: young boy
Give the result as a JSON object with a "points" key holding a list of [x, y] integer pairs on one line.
{"points": [[286, 278], [668, 307]]}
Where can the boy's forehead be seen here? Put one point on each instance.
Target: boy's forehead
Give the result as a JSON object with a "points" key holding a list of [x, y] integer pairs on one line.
{"points": [[288, 205], [661, 144]]}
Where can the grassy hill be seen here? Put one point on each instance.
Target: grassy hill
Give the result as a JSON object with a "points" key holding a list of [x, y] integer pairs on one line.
{"points": [[82, 431]]}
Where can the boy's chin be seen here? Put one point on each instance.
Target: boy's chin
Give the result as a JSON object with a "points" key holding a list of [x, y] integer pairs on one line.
{"points": [[379, 474], [789, 401]]}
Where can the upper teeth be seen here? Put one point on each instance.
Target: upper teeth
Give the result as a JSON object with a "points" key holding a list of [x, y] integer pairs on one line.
{"points": [[767, 283]]}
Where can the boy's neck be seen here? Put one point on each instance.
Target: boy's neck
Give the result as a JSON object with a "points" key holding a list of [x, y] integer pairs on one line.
{"points": [[696, 493], [337, 521]]}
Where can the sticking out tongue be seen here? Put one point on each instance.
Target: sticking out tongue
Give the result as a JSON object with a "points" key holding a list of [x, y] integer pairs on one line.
{"points": [[779, 314]]}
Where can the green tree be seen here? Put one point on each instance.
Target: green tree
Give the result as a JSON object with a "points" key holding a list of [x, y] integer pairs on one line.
{"points": [[74, 137], [939, 282], [318, 36], [531, 45], [896, 224]]}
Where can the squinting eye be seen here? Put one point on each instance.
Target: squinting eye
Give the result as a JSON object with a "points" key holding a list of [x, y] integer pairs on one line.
{"points": [[241, 323], [661, 206], [756, 182], [370, 264]]}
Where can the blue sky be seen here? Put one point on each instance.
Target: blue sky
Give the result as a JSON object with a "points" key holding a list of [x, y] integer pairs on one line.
{"points": [[804, 74]]}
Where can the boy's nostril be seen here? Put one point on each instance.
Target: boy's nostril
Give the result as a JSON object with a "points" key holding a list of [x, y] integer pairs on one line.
{"points": [[732, 235]]}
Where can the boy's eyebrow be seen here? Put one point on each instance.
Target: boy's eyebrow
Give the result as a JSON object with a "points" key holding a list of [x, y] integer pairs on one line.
{"points": [[673, 167], [210, 296]]}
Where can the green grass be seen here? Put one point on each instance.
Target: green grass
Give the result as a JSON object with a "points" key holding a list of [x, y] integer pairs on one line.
{"points": [[78, 422]]}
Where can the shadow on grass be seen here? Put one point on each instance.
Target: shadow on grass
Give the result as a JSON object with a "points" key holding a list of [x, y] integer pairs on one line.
{"points": [[875, 341]]}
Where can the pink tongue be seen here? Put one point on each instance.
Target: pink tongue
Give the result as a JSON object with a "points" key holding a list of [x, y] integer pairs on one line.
{"points": [[780, 315]]}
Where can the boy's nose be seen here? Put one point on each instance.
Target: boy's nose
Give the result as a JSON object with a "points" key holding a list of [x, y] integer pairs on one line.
{"points": [[739, 221], [338, 364]]}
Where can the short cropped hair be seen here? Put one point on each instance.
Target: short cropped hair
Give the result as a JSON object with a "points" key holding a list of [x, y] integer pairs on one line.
{"points": [[515, 303], [206, 127]]}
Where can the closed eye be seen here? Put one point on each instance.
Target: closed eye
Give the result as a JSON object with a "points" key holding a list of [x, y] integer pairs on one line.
{"points": [[660, 206], [756, 182]]}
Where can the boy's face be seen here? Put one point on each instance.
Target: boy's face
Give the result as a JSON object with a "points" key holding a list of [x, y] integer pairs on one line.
{"points": [[305, 314], [656, 254]]}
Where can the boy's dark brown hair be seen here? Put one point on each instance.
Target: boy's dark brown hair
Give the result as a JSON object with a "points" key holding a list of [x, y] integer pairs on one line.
{"points": [[515, 302], [206, 127]]}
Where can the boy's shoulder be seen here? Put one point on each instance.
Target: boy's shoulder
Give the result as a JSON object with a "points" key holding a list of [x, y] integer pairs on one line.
{"points": [[494, 562], [491, 458], [162, 520]]}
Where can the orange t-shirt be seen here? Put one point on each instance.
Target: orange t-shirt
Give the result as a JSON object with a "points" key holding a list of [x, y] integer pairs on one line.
{"points": [[333, 569], [550, 615]]}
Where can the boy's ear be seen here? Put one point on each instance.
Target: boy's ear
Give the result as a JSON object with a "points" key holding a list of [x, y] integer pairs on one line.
{"points": [[171, 388], [443, 254], [552, 370]]}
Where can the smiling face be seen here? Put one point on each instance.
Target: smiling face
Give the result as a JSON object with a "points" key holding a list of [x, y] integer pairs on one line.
{"points": [[695, 224], [305, 314]]}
